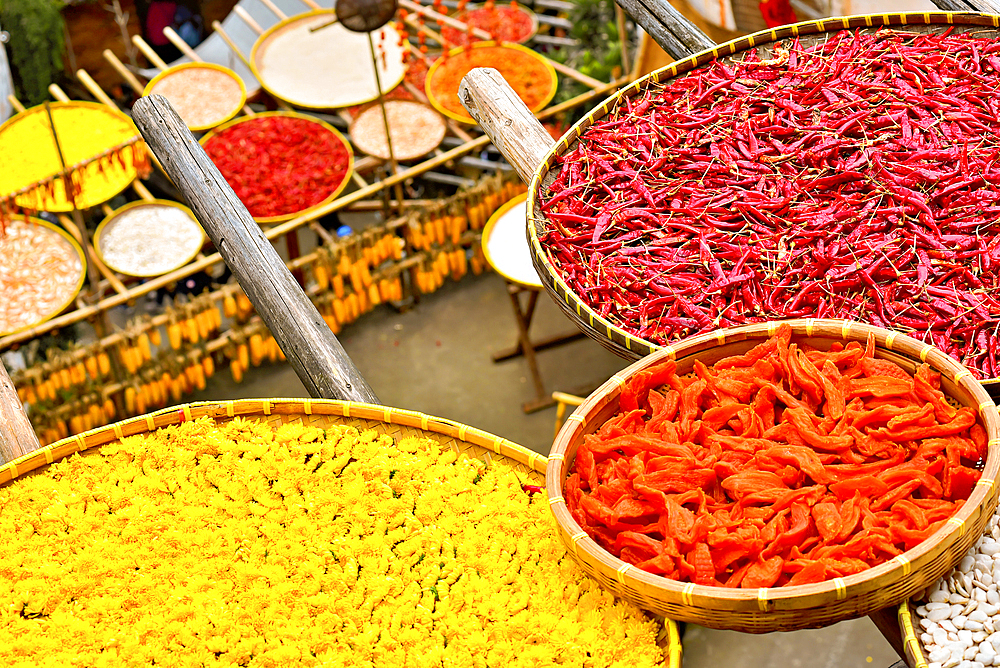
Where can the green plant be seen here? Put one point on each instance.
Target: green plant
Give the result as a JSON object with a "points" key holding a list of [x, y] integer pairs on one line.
{"points": [[36, 45], [599, 52]]}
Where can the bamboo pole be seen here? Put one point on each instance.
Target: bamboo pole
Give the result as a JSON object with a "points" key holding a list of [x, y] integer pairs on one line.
{"points": [[622, 38], [102, 268], [142, 191], [245, 15], [443, 19], [340, 203], [590, 82], [123, 71], [147, 51], [416, 25], [14, 102], [95, 90], [274, 8], [220, 31], [311, 4], [58, 93]]}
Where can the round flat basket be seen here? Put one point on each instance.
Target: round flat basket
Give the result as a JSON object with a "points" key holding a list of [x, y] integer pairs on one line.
{"points": [[415, 130], [527, 72], [328, 68], [650, 316], [789, 607], [507, 24], [204, 95], [85, 130], [148, 238], [303, 415], [281, 164], [42, 269], [506, 246]]}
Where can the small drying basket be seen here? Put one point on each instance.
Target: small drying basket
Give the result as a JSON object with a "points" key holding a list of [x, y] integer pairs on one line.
{"points": [[322, 414], [791, 607]]}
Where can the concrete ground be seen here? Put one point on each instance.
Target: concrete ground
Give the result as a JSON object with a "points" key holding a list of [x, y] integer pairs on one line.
{"points": [[436, 359]]}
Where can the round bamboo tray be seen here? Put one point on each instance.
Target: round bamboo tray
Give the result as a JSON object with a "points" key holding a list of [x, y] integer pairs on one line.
{"points": [[610, 335], [292, 167], [457, 64], [179, 104], [505, 246], [336, 62], [323, 414], [65, 299], [101, 233], [916, 657], [782, 608], [449, 33], [29, 134], [415, 129]]}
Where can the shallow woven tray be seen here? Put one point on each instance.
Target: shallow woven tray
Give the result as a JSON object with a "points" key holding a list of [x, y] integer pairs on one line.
{"points": [[110, 219], [222, 117], [916, 657], [98, 185], [404, 147], [323, 414], [453, 108], [70, 296], [446, 31], [329, 198], [587, 319], [336, 85], [782, 608]]}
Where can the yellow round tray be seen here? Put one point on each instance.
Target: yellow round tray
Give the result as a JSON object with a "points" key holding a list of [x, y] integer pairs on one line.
{"points": [[86, 129], [446, 101], [329, 198], [505, 263], [448, 31], [321, 54], [202, 66], [71, 294], [111, 217]]}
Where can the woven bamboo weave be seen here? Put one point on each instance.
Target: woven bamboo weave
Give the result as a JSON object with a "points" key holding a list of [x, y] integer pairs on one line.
{"points": [[586, 318], [803, 606], [323, 414], [915, 655]]}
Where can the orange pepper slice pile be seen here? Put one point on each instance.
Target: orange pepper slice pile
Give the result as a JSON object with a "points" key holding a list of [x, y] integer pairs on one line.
{"points": [[786, 465]]}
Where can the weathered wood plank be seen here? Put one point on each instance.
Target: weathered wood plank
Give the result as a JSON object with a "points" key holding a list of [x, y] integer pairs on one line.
{"points": [[311, 348], [17, 438], [506, 119], [675, 34]]}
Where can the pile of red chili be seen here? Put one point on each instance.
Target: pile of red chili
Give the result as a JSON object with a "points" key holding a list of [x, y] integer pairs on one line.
{"points": [[280, 165], [855, 178], [785, 465], [505, 23]]}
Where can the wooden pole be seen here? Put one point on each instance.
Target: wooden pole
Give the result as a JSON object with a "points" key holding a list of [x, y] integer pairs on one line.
{"points": [[123, 71], [313, 351], [17, 438], [675, 34], [147, 51], [504, 117]]}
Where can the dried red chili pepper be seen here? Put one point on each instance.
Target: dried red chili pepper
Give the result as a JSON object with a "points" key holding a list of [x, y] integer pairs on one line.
{"points": [[856, 178], [279, 165]]}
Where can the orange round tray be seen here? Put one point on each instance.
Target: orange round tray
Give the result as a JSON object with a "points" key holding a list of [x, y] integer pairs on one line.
{"points": [[528, 73]]}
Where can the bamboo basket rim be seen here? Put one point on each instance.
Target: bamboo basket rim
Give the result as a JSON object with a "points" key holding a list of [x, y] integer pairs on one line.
{"points": [[598, 327], [983, 496], [472, 6], [491, 223], [293, 114], [78, 249], [468, 120], [439, 131], [203, 66], [387, 84], [174, 415], [111, 217], [130, 171], [914, 651]]}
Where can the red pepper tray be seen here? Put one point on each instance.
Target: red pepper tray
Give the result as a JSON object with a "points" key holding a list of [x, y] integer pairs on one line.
{"points": [[777, 176]]}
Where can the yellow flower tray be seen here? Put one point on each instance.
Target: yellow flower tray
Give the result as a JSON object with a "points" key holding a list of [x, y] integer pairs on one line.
{"points": [[322, 414]]}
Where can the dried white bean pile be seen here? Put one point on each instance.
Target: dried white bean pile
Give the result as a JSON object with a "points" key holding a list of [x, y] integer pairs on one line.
{"points": [[150, 240], [960, 622]]}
